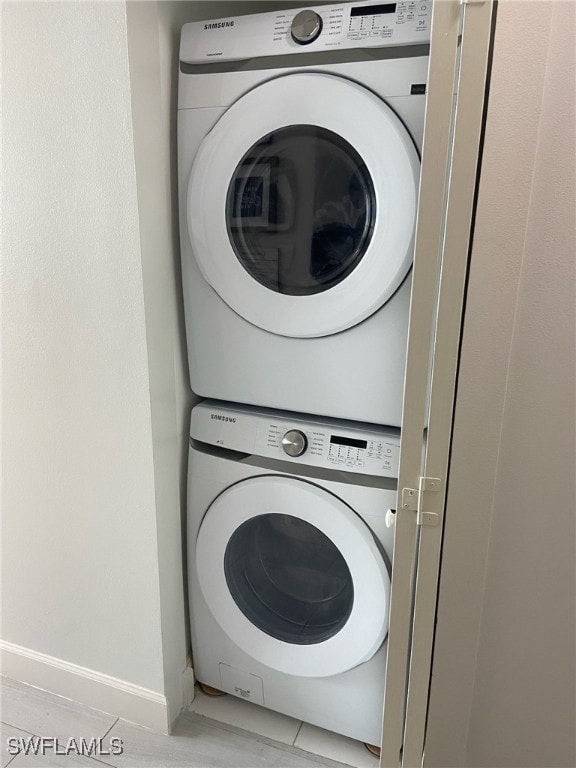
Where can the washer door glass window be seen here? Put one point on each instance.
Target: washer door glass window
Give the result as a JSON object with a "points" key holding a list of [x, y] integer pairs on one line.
{"points": [[300, 210], [289, 579]]}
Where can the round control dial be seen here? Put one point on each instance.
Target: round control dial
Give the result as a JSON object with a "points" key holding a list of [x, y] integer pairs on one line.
{"points": [[306, 26], [294, 442]]}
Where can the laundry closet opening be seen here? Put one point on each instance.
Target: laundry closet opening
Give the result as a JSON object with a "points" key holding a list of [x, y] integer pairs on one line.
{"points": [[299, 142]]}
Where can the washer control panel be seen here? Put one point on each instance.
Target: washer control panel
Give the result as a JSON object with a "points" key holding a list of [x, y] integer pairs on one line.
{"points": [[327, 443], [323, 28]]}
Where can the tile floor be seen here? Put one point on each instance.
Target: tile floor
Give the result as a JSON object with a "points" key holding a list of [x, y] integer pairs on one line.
{"points": [[215, 733], [242, 714]]}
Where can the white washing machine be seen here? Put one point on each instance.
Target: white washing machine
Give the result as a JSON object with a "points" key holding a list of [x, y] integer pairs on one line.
{"points": [[298, 145], [289, 559]]}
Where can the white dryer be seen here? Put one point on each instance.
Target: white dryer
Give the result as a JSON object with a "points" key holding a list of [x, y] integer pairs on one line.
{"points": [[289, 559], [298, 150]]}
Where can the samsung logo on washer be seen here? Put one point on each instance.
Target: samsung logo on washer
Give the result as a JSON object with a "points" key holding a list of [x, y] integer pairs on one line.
{"points": [[219, 25], [219, 417]]}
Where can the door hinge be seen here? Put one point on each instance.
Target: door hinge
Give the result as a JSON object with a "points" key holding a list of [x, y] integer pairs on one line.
{"points": [[419, 500]]}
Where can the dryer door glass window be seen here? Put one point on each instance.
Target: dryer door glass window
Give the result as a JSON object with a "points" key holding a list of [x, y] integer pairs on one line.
{"points": [[288, 579], [300, 210]]}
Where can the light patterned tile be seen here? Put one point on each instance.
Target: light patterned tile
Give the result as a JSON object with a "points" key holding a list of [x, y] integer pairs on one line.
{"points": [[7, 732], [44, 714], [27, 741], [335, 747], [200, 743], [247, 716], [56, 761], [30, 743]]}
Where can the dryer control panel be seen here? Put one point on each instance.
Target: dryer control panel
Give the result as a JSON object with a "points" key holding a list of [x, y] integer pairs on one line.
{"points": [[346, 446], [322, 28]]}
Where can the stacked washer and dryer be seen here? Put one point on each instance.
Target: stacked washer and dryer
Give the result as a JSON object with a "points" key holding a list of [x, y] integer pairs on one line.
{"points": [[298, 148]]}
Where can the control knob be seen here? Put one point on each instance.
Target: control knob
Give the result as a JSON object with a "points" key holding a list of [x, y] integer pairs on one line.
{"points": [[306, 26], [294, 442]]}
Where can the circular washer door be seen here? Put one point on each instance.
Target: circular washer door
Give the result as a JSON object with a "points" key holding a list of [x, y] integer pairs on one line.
{"points": [[302, 205], [293, 576]]}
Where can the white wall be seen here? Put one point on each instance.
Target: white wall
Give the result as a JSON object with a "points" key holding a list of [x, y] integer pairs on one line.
{"points": [[90, 489], [169, 390], [504, 672]]}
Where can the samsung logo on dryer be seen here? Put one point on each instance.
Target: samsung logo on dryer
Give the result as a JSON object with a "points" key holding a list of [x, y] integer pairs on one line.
{"points": [[219, 24], [219, 417]]}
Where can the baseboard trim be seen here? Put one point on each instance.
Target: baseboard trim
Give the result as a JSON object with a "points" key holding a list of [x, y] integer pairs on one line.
{"points": [[86, 686]]}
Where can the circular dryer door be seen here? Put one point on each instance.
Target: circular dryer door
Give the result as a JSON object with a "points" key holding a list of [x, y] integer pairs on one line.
{"points": [[302, 205], [293, 576]]}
